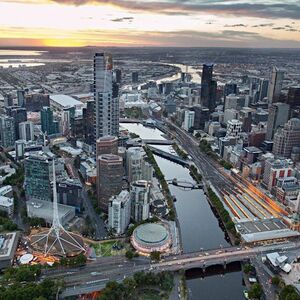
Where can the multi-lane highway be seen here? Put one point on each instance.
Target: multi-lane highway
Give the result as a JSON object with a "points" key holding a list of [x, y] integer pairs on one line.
{"points": [[96, 274]]}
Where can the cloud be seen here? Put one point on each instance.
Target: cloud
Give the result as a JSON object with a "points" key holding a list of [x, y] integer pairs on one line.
{"points": [[264, 25], [129, 19], [288, 9], [135, 38], [278, 28], [235, 25]]}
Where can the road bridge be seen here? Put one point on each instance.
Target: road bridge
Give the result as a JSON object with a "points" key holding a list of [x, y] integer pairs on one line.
{"points": [[95, 275]]}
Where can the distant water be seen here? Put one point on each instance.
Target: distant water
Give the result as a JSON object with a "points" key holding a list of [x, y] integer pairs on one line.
{"points": [[8, 52], [26, 58]]}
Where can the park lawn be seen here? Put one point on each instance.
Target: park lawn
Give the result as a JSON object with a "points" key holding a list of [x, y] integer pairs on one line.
{"points": [[105, 249]]}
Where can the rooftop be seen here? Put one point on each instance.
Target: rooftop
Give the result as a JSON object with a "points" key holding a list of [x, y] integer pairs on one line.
{"points": [[151, 233], [6, 201], [65, 100]]}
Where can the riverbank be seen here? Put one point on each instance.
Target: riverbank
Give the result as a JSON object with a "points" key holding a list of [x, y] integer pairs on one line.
{"points": [[224, 216], [164, 185]]}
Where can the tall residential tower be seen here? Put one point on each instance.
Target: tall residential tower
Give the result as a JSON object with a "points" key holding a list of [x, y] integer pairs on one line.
{"points": [[106, 115]]}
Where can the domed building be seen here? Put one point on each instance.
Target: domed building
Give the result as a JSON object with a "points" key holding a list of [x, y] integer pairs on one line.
{"points": [[151, 237]]}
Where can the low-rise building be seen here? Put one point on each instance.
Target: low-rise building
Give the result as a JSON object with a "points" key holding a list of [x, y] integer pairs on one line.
{"points": [[7, 205]]}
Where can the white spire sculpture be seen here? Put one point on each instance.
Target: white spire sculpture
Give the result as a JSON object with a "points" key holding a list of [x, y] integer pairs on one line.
{"points": [[57, 240]]}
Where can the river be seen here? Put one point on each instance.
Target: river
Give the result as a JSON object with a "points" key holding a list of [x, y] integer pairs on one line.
{"points": [[198, 225]]}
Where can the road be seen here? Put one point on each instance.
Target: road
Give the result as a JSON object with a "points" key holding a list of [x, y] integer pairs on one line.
{"points": [[96, 274], [264, 276], [96, 220]]}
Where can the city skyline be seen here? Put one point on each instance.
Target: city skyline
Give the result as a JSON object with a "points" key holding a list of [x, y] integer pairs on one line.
{"points": [[216, 23]]}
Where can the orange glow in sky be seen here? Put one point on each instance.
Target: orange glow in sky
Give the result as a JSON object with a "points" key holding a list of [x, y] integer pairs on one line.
{"points": [[149, 22]]}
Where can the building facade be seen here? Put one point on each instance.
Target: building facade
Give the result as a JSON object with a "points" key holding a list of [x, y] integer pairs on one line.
{"points": [[26, 131], [278, 116], [109, 178], [7, 131], [140, 200], [119, 208], [37, 178], [106, 107], [286, 138], [275, 85]]}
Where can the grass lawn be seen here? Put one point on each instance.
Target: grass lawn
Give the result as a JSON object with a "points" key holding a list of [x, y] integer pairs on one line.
{"points": [[105, 249]]}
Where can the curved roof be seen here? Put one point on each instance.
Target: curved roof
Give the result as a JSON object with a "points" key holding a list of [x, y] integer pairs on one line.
{"points": [[151, 233]]}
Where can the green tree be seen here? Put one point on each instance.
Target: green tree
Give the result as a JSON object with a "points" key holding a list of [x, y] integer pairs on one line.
{"points": [[288, 293], [129, 254], [275, 280], [155, 255], [255, 291]]}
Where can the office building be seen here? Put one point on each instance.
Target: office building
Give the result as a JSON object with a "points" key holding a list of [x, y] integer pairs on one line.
{"points": [[109, 178], [36, 101], [278, 116], [276, 169], [49, 126], [208, 87], [169, 105], [37, 178], [286, 138], [106, 107], [260, 115], [21, 98], [189, 118], [26, 131], [135, 77], [201, 117], [230, 114], [230, 88], [263, 89], [235, 102], [293, 97], [107, 145], [136, 166], [119, 210], [245, 116], [234, 128], [140, 200], [7, 131], [118, 76], [88, 116], [275, 85], [20, 149], [19, 114], [69, 192]]}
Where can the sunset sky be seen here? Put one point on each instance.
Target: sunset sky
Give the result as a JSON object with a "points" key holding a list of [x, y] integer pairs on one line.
{"points": [[229, 23]]}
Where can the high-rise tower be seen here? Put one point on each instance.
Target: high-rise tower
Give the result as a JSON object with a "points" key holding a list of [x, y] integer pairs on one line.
{"points": [[208, 87], [275, 85], [105, 105]]}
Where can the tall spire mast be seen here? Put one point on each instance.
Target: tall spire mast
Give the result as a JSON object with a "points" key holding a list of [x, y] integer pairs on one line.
{"points": [[56, 222]]}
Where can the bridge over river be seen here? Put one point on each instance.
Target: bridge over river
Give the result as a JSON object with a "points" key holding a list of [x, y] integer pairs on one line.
{"points": [[95, 275]]}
